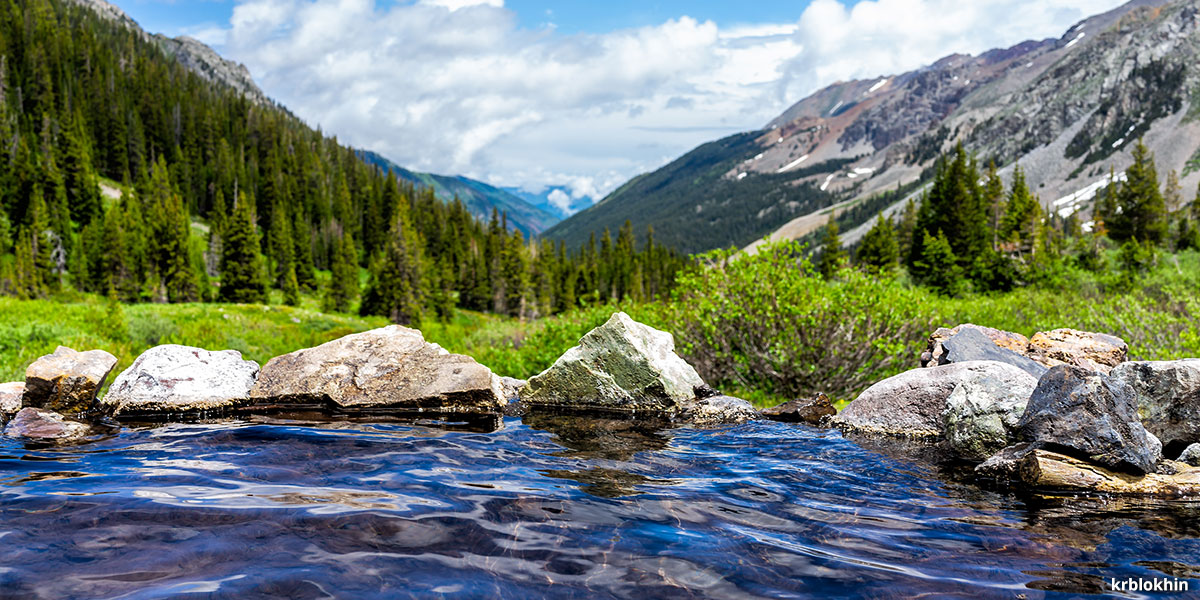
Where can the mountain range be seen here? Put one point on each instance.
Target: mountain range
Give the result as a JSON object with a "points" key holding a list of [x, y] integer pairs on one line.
{"points": [[1068, 110], [528, 216]]}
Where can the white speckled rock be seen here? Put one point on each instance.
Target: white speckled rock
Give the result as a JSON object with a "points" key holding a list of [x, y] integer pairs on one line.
{"points": [[1168, 397], [982, 413], [622, 366], [388, 369], [10, 397], [174, 379]]}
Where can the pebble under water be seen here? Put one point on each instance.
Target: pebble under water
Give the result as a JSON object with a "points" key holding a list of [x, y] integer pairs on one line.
{"points": [[549, 507]]}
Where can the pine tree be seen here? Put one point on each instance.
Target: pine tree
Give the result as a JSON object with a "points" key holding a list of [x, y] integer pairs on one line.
{"points": [[1141, 211], [1022, 214], [832, 255], [343, 283], [938, 267], [993, 193], [879, 252], [395, 287], [241, 263], [904, 231]]}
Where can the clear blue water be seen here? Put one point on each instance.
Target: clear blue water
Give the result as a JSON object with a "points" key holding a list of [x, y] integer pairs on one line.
{"points": [[548, 508]]}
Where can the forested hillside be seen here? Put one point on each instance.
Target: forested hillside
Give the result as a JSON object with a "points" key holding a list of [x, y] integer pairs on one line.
{"points": [[225, 198]]}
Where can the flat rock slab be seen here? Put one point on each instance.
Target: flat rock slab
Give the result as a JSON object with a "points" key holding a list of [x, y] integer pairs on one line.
{"points": [[1168, 398], [173, 379], [10, 397], [392, 369], [38, 424], [1091, 415], [621, 366], [67, 381], [814, 411], [1053, 471], [971, 344], [912, 403], [1093, 351]]}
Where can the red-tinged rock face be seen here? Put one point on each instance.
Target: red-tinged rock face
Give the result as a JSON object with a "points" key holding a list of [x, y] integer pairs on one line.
{"points": [[40, 424]]}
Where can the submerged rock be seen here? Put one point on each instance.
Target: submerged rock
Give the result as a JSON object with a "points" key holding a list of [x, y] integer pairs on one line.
{"points": [[38, 424], [621, 366], [1168, 398], [814, 411], [935, 351], [982, 413], [67, 381], [1005, 465], [10, 397], [971, 344], [392, 369], [718, 410], [913, 403], [1095, 416], [1093, 351], [173, 379]]}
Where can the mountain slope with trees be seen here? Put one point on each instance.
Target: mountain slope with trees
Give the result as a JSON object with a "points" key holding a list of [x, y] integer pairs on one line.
{"points": [[227, 198]]}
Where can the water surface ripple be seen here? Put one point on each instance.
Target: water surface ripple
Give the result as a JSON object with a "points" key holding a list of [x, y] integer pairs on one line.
{"points": [[548, 507]]}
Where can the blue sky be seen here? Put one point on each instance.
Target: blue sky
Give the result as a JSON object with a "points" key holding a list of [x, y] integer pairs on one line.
{"points": [[578, 94], [572, 16]]}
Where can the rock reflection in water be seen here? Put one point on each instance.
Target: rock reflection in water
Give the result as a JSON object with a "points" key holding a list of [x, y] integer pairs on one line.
{"points": [[550, 507]]}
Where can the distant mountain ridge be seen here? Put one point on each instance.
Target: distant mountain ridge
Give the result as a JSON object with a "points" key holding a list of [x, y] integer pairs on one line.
{"points": [[1066, 109], [479, 197]]}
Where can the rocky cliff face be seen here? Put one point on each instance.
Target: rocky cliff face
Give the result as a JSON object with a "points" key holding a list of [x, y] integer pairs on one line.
{"points": [[1066, 109], [190, 53]]}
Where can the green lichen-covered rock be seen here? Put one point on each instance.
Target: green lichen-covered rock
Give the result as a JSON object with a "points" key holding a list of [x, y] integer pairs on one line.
{"points": [[982, 413], [622, 366]]}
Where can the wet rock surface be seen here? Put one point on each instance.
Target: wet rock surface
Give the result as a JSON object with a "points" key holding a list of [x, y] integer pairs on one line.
{"points": [[1168, 398], [173, 379], [718, 410], [813, 411], [982, 413], [39, 424], [392, 369], [913, 403], [622, 366], [1092, 416], [67, 381]]}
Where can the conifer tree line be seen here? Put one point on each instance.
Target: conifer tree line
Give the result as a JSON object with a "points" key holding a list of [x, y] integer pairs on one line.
{"points": [[227, 200], [971, 232]]}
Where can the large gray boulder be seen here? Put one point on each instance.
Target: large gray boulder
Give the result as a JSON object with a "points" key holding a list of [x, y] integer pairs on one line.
{"points": [[1168, 398], [10, 397], [982, 413], [175, 379], [621, 366], [392, 369], [1088, 414], [37, 424], [1191, 455], [67, 381], [971, 344], [913, 403]]}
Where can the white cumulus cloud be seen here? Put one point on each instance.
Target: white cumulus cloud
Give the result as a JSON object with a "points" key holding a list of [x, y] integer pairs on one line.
{"points": [[457, 86]]}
